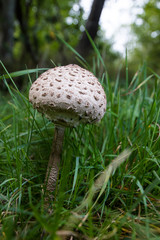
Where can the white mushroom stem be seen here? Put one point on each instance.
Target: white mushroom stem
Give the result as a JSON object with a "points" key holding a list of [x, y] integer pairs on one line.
{"points": [[54, 163]]}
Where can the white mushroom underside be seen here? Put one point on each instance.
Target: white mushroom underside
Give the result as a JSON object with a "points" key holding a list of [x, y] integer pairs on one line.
{"points": [[69, 95]]}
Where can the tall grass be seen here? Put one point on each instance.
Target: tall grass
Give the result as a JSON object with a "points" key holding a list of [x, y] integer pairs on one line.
{"points": [[109, 183]]}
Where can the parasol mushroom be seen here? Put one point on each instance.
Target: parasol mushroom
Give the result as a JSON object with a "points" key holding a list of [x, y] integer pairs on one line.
{"points": [[67, 95]]}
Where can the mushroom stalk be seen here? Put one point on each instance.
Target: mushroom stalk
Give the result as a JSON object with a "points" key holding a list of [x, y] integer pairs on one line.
{"points": [[54, 163]]}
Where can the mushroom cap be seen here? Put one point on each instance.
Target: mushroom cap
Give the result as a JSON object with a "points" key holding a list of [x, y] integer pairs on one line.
{"points": [[69, 95]]}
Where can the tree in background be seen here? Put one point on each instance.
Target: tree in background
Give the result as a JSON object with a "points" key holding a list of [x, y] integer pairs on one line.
{"points": [[33, 27], [91, 26], [38, 23], [28, 27], [28, 30], [7, 16], [147, 31]]}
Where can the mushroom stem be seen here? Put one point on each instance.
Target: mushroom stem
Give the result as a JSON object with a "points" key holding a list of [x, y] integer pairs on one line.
{"points": [[54, 163]]}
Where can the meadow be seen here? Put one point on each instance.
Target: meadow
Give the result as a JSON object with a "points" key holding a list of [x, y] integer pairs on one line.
{"points": [[109, 181]]}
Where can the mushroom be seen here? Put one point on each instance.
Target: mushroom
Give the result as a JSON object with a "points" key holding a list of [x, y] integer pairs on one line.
{"points": [[67, 95]]}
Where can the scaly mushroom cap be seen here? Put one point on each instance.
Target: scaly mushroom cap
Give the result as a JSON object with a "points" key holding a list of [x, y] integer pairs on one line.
{"points": [[69, 95]]}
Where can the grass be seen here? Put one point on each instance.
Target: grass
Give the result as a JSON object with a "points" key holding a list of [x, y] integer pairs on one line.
{"points": [[109, 183]]}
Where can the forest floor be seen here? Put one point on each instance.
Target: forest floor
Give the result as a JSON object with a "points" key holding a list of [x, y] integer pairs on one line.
{"points": [[109, 183]]}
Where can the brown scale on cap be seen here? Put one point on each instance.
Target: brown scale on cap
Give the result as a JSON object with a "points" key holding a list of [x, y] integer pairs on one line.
{"points": [[64, 93]]}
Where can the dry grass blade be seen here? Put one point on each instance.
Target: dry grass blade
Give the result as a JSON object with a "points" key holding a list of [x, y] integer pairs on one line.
{"points": [[101, 182], [139, 86], [65, 234], [107, 236], [99, 185]]}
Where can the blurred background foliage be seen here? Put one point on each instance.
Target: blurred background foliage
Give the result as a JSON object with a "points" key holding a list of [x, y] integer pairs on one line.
{"points": [[146, 31], [29, 29]]}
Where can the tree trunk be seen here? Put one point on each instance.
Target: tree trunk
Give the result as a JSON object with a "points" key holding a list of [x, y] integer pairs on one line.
{"points": [[22, 14], [7, 27], [91, 26]]}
